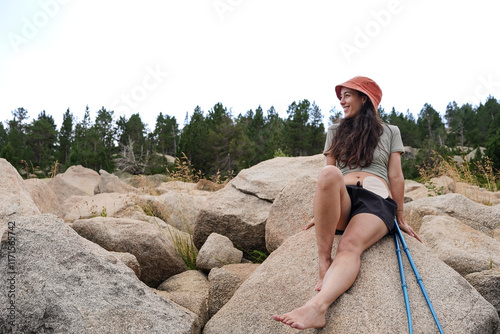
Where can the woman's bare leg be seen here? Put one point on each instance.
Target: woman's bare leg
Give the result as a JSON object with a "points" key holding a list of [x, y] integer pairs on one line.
{"points": [[363, 231], [331, 210]]}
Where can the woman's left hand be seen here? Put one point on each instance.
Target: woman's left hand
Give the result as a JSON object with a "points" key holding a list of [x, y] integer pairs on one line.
{"points": [[407, 228]]}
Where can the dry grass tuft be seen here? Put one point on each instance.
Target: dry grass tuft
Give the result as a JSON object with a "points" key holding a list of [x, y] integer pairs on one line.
{"points": [[184, 171], [474, 180]]}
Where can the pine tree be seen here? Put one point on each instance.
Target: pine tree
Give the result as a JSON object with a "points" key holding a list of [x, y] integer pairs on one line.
{"points": [[455, 121], [65, 137], [430, 125], [296, 132], [41, 138], [3, 136], [133, 130], [16, 136], [166, 134], [194, 140], [101, 138], [8, 153], [274, 134], [80, 152], [316, 130]]}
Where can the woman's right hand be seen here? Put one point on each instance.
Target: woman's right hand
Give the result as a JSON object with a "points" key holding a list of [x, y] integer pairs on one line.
{"points": [[309, 225]]}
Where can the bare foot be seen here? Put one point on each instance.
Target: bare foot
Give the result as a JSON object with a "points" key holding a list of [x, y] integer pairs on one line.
{"points": [[323, 268], [303, 317]]}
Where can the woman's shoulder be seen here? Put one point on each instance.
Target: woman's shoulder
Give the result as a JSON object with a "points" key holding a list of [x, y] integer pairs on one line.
{"points": [[332, 128], [391, 128]]}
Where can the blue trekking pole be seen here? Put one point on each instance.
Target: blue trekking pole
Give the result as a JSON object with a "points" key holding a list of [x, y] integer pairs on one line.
{"points": [[399, 236], [403, 284]]}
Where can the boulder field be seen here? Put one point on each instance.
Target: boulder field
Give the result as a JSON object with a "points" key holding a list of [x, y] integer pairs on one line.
{"points": [[88, 252]]}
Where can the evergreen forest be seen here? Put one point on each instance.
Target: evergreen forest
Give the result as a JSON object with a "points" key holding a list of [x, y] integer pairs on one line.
{"points": [[216, 141]]}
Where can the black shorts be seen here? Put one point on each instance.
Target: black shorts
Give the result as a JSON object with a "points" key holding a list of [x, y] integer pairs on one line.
{"points": [[365, 201]]}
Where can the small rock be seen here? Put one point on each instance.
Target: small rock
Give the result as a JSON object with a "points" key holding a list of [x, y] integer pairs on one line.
{"points": [[217, 251]]}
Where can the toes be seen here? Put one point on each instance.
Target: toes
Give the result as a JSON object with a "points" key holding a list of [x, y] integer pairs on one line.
{"points": [[279, 318]]}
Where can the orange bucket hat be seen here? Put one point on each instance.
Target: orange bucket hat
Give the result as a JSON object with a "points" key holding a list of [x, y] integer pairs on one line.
{"points": [[364, 85]]}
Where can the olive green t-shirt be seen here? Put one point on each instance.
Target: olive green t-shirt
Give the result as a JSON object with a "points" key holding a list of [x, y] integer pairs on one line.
{"points": [[390, 142]]}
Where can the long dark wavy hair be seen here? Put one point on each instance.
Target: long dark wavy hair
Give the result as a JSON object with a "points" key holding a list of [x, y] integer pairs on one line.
{"points": [[357, 138]]}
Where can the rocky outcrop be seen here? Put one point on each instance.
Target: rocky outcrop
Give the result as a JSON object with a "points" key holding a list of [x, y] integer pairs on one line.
{"points": [[266, 179], [178, 209], [216, 252], [130, 261], [374, 304], [158, 258], [240, 210], [75, 181], [176, 186], [291, 210], [64, 283], [224, 282], [445, 185], [265, 206], [109, 183], [100, 205], [239, 216], [189, 289], [190, 281], [208, 185], [461, 247], [42, 194], [478, 216], [487, 283], [437, 186], [477, 194], [15, 199]]}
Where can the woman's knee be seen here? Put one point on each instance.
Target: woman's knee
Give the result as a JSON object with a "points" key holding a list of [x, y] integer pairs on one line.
{"points": [[350, 245], [329, 176]]}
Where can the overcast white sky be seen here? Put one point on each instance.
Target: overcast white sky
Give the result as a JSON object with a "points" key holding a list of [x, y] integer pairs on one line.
{"points": [[168, 56]]}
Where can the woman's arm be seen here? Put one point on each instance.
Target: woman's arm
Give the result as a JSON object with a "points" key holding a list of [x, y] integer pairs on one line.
{"points": [[397, 184]]}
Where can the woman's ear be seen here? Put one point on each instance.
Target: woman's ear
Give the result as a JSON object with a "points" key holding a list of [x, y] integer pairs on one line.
{"points": [[363, 99]]}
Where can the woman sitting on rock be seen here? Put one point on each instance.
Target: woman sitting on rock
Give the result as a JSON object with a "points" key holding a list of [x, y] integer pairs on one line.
{"points": [[358, 194]]}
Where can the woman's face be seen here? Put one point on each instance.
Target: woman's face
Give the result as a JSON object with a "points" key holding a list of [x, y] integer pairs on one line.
{"points": [[351, 101]]}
